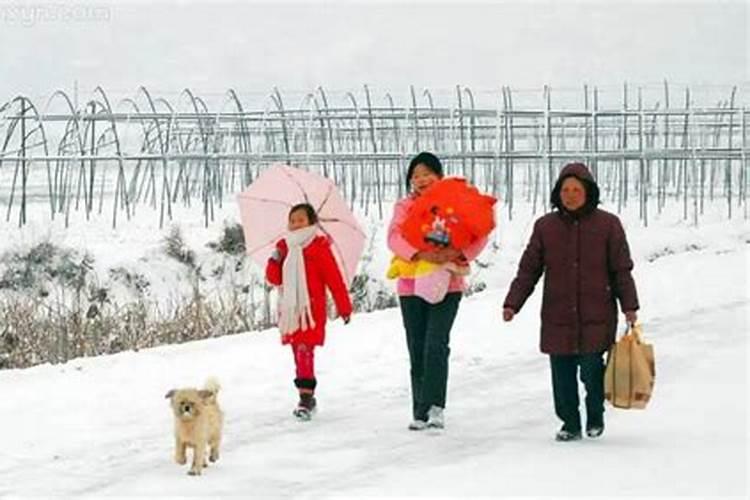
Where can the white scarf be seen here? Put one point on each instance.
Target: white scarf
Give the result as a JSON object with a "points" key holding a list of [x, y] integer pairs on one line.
{"points": [[294, 308]]}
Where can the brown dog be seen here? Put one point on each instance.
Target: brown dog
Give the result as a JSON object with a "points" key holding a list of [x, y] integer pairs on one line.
{"points": [[198, 423]]}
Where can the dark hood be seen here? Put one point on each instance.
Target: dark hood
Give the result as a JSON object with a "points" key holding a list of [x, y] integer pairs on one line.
{"points": [[582, 173]]}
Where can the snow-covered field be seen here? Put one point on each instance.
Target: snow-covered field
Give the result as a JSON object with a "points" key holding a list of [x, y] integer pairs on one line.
{"points": [[101, 427]]}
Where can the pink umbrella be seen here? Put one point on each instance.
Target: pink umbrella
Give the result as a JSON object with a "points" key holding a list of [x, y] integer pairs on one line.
{"points": [[264, 212]]}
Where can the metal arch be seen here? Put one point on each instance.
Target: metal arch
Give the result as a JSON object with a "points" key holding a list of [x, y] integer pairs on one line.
{"points": [[397, 141], [165, 103], [595, 119], [100, 140], [311, 98], [428, 95], [202, 113], [728, 165], [218, 173], [172, 129], [216, 122], [159, 134], [663, 170], [547, 141], [461, 141], [88, 191], [331, 140], [108, 108], [121, 178], [263, 128], [218, 137], [353, 188], [276, 97], [245, 139], [371, 119], [164, 152], [63, 169], [415, 109], [141, 119], [145, 145], [194, 101], [323, 132], [73, 114], [396, 135], [496, 167], [357, 118], [207, 178], [122, 103], [374, 150], [172, 124], [78, 141], [508, 141], [39, 119], [182, 145], [472, 132], [166, 190], [200, 101], [24, 102], [9, 134]]}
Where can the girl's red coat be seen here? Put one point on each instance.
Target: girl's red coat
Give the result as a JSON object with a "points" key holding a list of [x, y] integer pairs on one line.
{"points": [[322, 272]]}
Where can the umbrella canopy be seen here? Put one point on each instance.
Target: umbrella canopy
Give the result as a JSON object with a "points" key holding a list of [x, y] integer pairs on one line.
{"points": [[264, 212]]}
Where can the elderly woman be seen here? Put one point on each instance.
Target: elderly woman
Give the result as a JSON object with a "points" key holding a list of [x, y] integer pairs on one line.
{"points": [[583, 253]]}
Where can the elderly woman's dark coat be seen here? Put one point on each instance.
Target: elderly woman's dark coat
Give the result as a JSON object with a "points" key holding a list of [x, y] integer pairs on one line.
{"points": [[586, 263]]}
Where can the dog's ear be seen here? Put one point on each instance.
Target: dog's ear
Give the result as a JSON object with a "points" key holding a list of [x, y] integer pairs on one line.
{"points": [[204, 394], [169, 394]]}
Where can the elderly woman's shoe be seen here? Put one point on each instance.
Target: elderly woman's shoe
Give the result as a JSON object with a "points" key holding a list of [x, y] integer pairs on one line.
{"points": [[566, 435]]}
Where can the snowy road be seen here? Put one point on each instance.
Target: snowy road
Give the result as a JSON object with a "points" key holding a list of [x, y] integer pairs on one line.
{"points": [[97, 427]]}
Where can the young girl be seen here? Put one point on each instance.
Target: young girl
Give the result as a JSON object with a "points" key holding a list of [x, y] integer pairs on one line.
{"points": [[303, 266]]}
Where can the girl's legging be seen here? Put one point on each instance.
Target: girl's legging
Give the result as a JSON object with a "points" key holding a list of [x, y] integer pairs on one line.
{"points": [[304, 360]]}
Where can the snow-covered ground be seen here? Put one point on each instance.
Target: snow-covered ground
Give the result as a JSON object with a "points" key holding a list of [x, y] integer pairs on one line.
{"points": [[101, 426]]}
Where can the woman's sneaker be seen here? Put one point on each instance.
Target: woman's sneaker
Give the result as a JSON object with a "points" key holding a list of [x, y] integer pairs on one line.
{"points": [[595, 431], [595, 426], [417, 425], [435, 418], [566, 435]]}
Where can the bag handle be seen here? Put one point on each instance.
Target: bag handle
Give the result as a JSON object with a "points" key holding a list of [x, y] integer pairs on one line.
{"points": [[636, 331]]}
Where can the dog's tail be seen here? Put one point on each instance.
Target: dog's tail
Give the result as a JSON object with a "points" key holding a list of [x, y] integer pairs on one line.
{"points": [[212, 385], [210, 390]]}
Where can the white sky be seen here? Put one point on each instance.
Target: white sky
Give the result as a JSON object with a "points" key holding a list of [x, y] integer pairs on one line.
{"points": [[253, 46]]}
